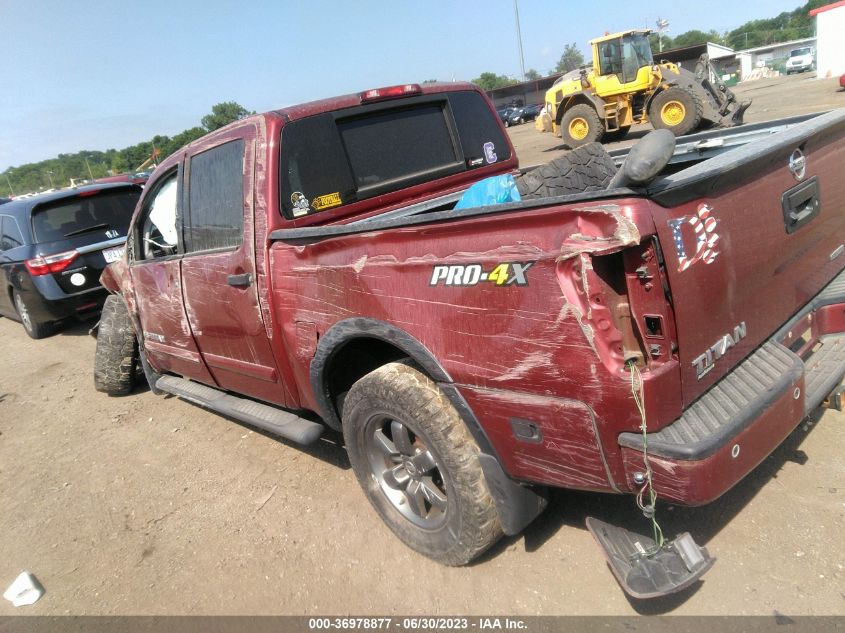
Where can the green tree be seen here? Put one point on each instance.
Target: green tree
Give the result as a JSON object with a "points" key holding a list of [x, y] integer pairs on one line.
{"points": [[223, 114], [691, 38], [570, 60], [789, 25], [491, 81], [531, 75], [655, 40]]}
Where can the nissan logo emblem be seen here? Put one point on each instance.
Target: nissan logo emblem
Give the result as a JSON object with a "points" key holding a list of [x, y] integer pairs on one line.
{"points": [[797, 164]]}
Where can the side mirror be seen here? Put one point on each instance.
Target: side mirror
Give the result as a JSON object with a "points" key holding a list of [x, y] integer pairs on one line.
{"points": [[646, 160]]}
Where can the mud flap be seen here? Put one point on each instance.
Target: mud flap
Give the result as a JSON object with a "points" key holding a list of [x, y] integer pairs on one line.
{"points": [[676, 566]]}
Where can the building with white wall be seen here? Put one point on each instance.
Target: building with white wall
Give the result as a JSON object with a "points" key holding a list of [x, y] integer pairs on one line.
{"points": [[830, 47], [769, 54]]}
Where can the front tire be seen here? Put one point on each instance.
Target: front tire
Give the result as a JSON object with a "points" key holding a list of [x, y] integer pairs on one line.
{"points": [[117, 350], [418, 465], [677, 110], [35, 329], [581, 125]]}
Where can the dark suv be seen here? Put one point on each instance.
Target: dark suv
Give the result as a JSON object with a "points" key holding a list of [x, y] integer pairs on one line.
{"points": [[53, 248]]}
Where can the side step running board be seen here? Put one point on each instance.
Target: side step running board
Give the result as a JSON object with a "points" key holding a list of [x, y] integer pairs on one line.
{"points": [[262, 416]]}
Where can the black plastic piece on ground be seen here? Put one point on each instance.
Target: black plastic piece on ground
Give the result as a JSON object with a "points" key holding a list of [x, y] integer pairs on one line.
{"points": [[676, 566], [271, 419]]}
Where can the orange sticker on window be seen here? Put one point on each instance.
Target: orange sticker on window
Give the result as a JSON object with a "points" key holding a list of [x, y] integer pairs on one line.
{"points": [[327, 201]]}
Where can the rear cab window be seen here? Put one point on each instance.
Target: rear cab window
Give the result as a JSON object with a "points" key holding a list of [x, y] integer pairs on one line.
{"points": [[104, 210], [338, 158]]}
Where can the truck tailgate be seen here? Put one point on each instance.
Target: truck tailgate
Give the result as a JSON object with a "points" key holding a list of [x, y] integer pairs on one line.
{"points": [[749, 237]]}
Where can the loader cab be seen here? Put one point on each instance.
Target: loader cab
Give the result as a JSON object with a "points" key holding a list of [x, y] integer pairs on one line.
{"points": [[622, 61]]}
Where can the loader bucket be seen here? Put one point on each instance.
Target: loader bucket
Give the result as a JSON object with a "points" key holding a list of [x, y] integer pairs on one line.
{"points": [[736, 118]]}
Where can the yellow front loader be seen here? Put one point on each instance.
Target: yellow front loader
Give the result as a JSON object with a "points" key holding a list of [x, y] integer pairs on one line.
{"points": [[625, 86]]}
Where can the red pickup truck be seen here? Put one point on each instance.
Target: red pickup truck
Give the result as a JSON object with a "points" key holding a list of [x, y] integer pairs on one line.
{"points": [[308, 268]]}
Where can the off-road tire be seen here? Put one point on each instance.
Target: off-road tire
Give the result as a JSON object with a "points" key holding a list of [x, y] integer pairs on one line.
{"points": [[595, 127], [693, 110], [399, 393], [117, 350], [34, 329], [587, 168]]}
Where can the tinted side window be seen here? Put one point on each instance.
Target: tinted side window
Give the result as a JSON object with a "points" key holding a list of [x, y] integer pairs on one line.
{"points": [[216, 198], [10, 234], [157, 224]]}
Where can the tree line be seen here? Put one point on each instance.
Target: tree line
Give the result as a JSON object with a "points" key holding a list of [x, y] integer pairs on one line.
{"points": [[789, 25], [89, 164]]}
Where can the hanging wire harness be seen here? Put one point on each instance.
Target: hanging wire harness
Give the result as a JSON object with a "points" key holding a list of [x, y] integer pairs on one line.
{"points": [[649, 510]]}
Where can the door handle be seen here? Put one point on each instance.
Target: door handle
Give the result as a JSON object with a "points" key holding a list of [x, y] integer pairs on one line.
{"points": [[240, 281], [801, 204]]}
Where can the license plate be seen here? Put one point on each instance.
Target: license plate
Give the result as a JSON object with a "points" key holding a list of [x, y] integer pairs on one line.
{"points": [[113, 254]]}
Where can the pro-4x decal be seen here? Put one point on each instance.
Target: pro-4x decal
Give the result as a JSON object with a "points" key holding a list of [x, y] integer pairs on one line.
{"points": [[503, 274]]}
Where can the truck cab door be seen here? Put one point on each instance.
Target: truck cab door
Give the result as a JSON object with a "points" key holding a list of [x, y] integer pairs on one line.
{"points": [[155, 254], [218, 270]]}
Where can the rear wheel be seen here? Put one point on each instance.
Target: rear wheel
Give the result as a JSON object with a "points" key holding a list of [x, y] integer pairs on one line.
{"points": [[588, 168], [418, 465], [34, 328], [580, 125], [675, 109], [117, 350]]}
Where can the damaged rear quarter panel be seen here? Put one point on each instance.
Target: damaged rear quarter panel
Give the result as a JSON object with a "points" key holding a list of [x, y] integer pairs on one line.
{"points": [[522, 337]]}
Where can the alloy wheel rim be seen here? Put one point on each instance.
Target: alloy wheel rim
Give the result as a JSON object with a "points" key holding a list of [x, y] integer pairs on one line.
{"points": [[673, 112], [23, 312], [406, 471]]}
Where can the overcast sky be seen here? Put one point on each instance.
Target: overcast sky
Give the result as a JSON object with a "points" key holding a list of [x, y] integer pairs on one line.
{"points": [[96, 74]]}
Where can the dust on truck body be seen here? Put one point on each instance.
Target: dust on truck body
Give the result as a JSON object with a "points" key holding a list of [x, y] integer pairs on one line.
{"points": [[312, 260]]}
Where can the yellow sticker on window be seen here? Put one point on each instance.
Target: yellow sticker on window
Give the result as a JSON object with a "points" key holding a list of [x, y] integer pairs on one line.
{"points": [[327, 201]]}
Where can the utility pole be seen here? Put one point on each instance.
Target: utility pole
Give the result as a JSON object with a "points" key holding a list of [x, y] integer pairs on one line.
{"points": [[10, 184], [89, 169], [50, 176], [662, 25], [519, 38]]}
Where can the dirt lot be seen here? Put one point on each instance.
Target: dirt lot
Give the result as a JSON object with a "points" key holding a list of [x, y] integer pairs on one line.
{"points": [[149, 505], [771, 99]]}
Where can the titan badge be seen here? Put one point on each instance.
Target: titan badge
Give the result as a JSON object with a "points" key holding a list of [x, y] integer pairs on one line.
{"points": [[706, 361]]}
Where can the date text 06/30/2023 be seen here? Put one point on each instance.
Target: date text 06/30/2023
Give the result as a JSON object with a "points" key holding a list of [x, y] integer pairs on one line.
{"points": [[416, 623]]}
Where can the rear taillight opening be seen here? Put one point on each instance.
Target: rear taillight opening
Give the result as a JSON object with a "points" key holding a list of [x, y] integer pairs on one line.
{"points": [[390, 92], [48, 264]]}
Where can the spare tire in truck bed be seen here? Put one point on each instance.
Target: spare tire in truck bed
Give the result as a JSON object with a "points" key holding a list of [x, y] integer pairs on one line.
{"points": [[586, 168]]}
